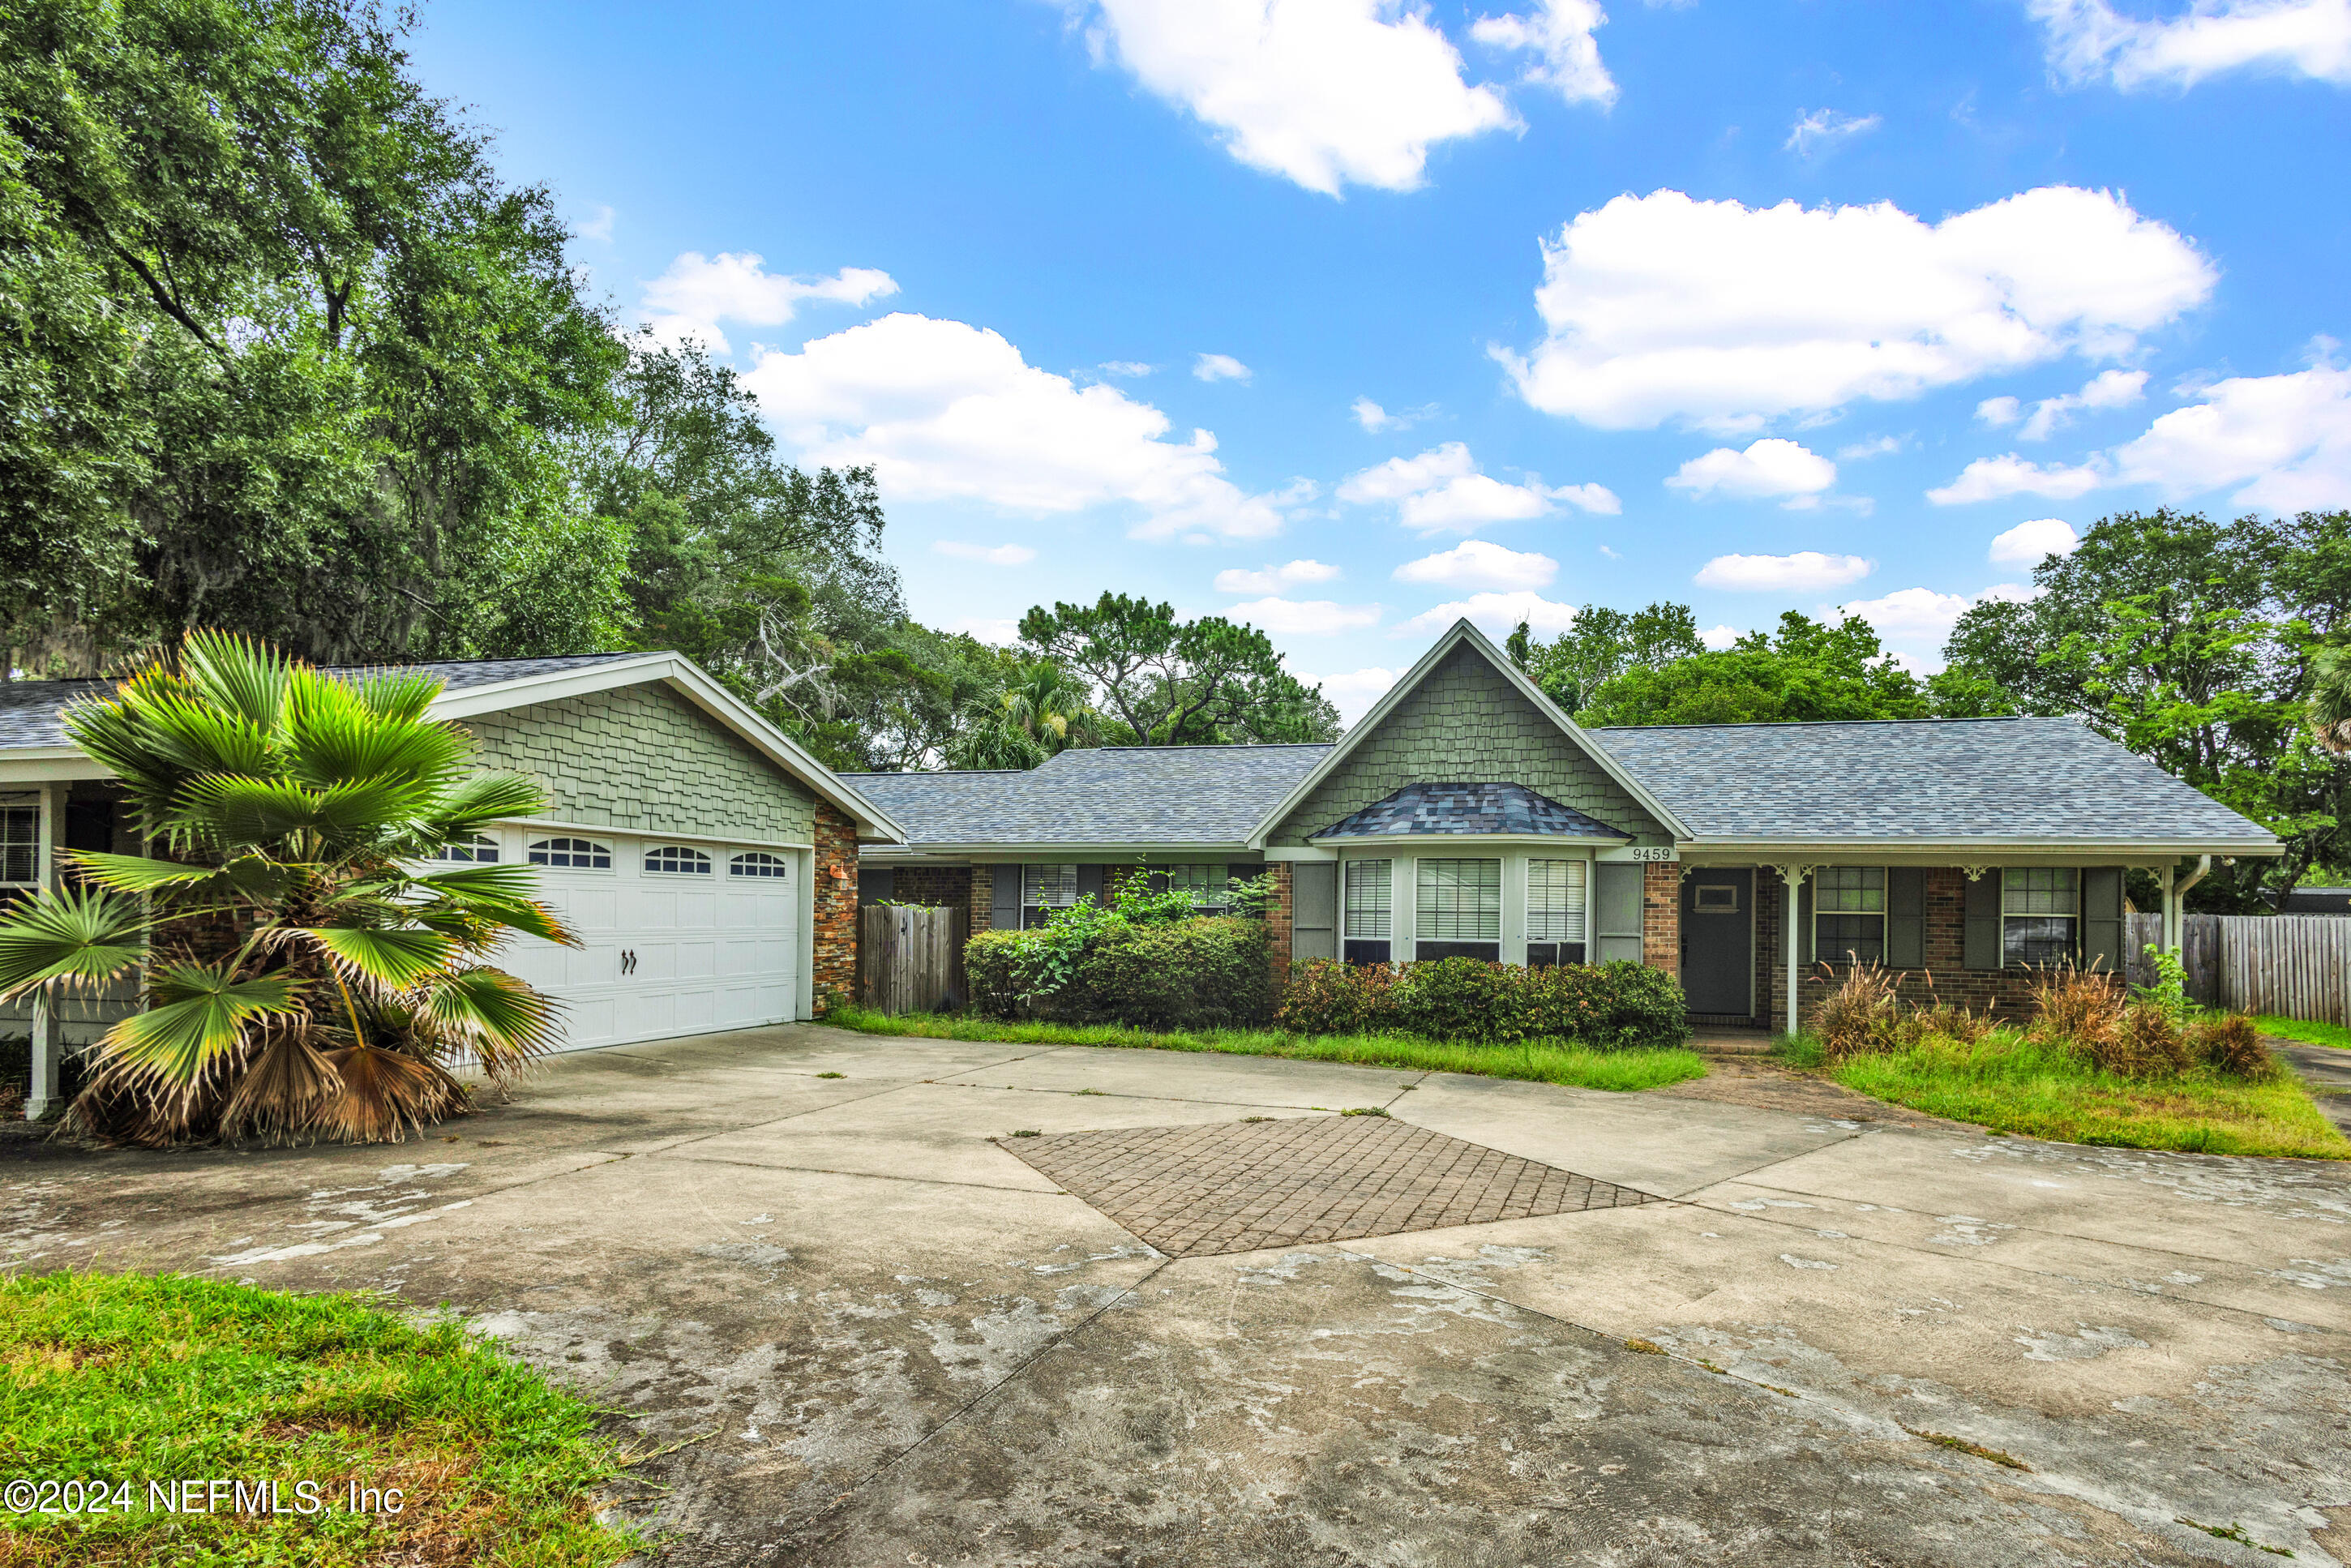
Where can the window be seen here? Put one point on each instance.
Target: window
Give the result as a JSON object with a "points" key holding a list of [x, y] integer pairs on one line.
{"points": [[1458, 909], [1204, 884], [571, 855], [1368, 920], [677, 860], [1555, 913], [1849, 914], [1716, 898], [20, 844], [2040, 908], [759, 863], [1046, 887], [478, 849]]}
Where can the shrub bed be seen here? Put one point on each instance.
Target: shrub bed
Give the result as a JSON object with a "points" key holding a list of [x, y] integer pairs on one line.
{"points": [[1211, 972], [1605, 1006]]}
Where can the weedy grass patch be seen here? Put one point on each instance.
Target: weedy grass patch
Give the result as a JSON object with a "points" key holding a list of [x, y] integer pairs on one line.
{"points": [[2304, 1031], [129, 1379]]}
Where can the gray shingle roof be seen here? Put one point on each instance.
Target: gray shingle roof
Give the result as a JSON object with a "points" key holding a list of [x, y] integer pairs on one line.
{"points": [[1923, 778], [30, 711], [1171, 795], [1468, 809]]}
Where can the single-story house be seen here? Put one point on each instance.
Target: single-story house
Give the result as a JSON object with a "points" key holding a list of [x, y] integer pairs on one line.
{"points": [[706, 859], [1466, 814]]}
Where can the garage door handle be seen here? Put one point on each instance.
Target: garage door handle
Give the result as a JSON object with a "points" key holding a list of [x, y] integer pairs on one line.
{"points": [[628, 961]]}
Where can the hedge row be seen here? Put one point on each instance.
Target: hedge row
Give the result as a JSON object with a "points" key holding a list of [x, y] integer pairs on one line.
{"points": [[1215, 972], [1607, 1006]]}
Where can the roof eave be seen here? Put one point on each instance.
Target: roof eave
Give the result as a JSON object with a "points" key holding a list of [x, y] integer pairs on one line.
{"points": [[1956, 851]]}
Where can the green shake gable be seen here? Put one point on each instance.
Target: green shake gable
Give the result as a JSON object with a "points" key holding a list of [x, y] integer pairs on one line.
{"points": [[641, 758], [1464, 721]]}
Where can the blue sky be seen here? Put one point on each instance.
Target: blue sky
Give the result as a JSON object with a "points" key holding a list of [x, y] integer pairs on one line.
{"points": [[1347, 317]]}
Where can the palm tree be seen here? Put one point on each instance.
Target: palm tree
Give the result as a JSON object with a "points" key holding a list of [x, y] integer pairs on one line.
{"points": [[2330, 698], [308, 971], [1049, 707]]}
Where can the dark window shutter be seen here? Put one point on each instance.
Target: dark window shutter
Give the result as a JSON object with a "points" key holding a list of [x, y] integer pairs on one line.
{"points": [[1906, 917], [1004, 901], [1804, 924], [1090, 883], [2102, 918], [1980, 945]]}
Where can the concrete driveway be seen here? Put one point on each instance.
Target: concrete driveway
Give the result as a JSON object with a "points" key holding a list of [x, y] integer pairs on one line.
{"points": [[899, 1342]]}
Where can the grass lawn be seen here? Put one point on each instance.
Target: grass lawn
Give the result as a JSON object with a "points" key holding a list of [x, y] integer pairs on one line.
{"points": [[2308, 1033], [2009, 1084], [1579, 1065], [128, 1379]]}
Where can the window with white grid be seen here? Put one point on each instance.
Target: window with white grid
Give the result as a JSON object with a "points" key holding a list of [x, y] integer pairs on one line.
{"points": [[1555, 901], [1203, 884], [2040, 908], [20, 844], [1047, 886], [1458, 901], [1849, 914], [1370, 896]]}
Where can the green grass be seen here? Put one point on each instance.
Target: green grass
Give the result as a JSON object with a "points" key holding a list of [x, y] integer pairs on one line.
{"points": [[2006, 1084], [135, 1379], [1541, 1062], [2302, 1030]]}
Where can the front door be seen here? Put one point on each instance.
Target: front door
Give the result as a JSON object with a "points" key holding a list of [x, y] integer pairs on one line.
{"points": [[1718, 941]]}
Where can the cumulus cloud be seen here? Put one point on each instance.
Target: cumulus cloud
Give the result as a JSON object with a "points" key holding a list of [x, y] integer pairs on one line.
{"points": [[1820, 129], [687, 302], [2088, 41], [1720, 637], [1479, 563], [1915, 623], [2107, 388], [986, 555], [1804, 572], [944, 410], [1772, 466], [1378, 421], [1354, 692], [1220, 367], [1441, 491], [1558, 35], [1274, 579], [1878, 446], [2284, 442], [1326, 93], [1494, 612], [2029, 543], [1661, 306], [1306, 618]]}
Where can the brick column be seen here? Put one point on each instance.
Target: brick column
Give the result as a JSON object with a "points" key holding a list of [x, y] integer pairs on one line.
{"points": [[1277, 921], [1661, 917], [983, 899], [833, 974]]}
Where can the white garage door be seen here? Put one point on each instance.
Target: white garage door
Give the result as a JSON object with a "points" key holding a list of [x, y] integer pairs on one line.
{"points": [[676, 938]]}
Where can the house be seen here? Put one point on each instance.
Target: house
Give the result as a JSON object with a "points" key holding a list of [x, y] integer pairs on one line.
{"points": [[1466, 814], [707, 862]]}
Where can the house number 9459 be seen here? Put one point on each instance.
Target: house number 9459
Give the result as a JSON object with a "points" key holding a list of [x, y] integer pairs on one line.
{"points": [[1653, 852]]}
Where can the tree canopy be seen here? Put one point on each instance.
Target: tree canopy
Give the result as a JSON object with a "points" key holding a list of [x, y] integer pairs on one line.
{"points": [[1159, 681], [1806, 670]]}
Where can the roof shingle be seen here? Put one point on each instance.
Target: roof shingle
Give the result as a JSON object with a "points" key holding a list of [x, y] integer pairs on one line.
{"points": [[1468, 809]]}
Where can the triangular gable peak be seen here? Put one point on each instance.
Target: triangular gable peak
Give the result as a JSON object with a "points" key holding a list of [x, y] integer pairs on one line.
{"points": [[1464, 714]]}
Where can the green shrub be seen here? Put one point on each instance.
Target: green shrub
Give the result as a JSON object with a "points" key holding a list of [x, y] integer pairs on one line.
{"points": [[1467, 1001], [1324, 998], [993, 967], [1090, 966], [1463, 1000]]}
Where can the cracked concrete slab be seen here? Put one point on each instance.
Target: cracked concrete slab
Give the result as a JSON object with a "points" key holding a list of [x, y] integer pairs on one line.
{"points": [[892, 1341]]}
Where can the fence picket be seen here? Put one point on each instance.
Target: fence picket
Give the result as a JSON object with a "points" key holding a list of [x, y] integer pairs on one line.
{"points": [[909, 960]]}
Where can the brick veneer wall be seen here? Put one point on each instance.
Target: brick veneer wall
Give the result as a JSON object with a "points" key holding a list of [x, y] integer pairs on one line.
{"points": [[2003, 993], [834, 974], [983, 898], [941, 887], [1661, 917], [1278, 917]]}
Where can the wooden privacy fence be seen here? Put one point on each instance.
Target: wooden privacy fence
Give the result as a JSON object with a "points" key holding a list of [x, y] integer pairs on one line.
{"points": [[2296, 966], [909, 960]]}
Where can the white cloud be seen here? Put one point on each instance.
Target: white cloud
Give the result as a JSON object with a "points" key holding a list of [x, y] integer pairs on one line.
{"points": [[1441, 491], [1377, 420], [1915, 623], [1559, 35], [1326, 93], [598, 228], [2029, 543], [2089, 41], [1273, 578], [944, 410], [687, 302], [1003, 633], [2284, 442], [1495, 612], [1479, 563], [1720, 637], [1822, 129], [1128, 368], [1880, 446], [986, 555], [1999, 412], [1220, 367], [1772, 466], [1305, 618], [1661, 306], [1806, 571], [1353, 693], [2107, 388]]}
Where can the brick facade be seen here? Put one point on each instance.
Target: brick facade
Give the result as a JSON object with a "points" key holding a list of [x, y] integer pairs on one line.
{"points": [[983, 898], [939, 886], [1661, 917], [1278, 918], [833, 973]]}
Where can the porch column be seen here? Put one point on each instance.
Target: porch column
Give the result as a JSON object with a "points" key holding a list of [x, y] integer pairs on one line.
{"points": [[41, 1093], [2170, 938], [1791, 877]]}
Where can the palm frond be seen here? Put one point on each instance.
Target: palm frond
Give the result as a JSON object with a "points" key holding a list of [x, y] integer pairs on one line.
{"points": [[472, 803], [351, 743], [199, 1017], [506, 1023], [495, 895], [83, 936], [284, 1087], [399, 695], [394, 960], [238, 675], [233, 809], [137, 873], [385, 1094]]}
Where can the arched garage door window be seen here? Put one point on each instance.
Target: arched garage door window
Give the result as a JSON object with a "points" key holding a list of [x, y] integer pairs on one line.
{"points": [[677, 860], [571, 855], [759, 863]]}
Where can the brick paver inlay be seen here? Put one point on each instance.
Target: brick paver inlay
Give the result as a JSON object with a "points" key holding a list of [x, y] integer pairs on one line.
{"points": [[1240, 1186]]}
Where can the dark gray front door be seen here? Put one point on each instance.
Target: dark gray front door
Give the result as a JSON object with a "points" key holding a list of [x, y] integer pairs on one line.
{"points": [[1718, 941]]}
